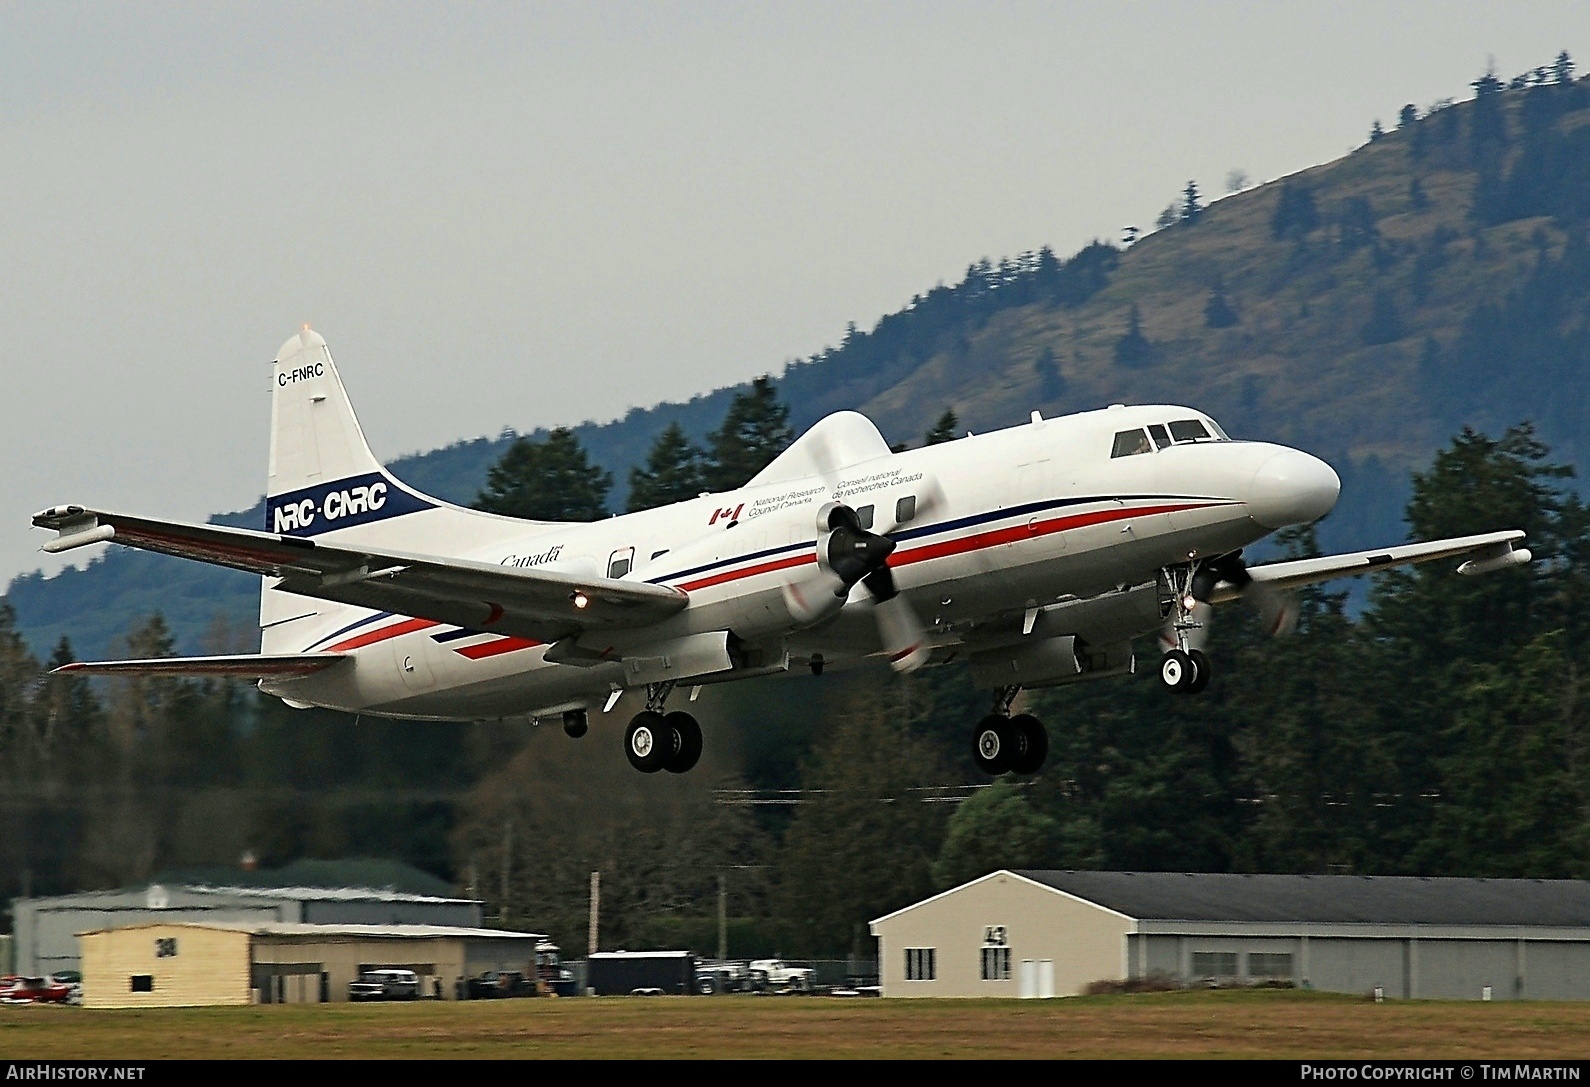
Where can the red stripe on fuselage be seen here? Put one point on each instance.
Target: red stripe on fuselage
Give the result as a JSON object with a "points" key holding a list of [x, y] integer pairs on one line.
{"points": [[998, 536], [492, 649], [749, 571], [975, 542], [359, 641]]}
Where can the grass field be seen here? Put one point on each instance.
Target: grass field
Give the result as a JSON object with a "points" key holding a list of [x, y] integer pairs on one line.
{"points": [[1194, 1024]]}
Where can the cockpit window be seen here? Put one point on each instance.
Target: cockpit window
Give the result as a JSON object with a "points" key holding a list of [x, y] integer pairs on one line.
{"points": [[1219, 433], [1190, 430], [1157, 432], [1129, 443]]}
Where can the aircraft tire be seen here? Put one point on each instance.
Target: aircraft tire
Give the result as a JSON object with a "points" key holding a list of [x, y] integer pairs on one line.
{"points": [[1177, 670], [1202, 671], [686, 750], [994, 744], [575, 724], [1033, 742], [648, 741]]}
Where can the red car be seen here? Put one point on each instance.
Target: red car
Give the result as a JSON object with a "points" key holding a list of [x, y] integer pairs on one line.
{"points": [[24, 990]]}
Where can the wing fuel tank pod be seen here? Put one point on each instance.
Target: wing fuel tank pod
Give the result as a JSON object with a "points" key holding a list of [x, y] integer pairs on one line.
{"points": [[1499, 557]]}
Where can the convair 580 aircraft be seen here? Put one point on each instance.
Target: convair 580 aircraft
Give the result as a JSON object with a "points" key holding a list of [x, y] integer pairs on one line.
{"points": [[1036, 554]]}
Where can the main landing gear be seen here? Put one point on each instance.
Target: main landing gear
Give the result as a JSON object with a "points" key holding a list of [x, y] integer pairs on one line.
{"points": [[657, 741], [1001, 742]]}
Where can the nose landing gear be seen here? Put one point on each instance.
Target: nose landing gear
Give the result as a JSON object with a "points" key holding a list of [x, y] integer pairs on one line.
{"points": [[1184, 667], [656, 741], [1003, 743]]}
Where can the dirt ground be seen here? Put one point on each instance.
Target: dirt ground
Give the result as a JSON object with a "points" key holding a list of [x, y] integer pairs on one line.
{"points": [[1178, 1025]]}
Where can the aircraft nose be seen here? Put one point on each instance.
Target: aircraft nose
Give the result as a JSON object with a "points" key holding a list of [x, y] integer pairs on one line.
{"points": [[1292, 488]]}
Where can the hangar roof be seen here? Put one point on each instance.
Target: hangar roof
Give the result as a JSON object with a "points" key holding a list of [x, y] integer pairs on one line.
{"points": [[141, 897], [313, 931], [1382, 900]]}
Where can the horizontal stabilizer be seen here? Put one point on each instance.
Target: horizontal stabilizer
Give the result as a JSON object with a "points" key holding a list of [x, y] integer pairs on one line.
{"points": [[542, 603], [237, 666]]}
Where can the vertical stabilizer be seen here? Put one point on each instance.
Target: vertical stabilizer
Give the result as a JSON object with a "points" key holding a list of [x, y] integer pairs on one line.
{"points": [[323, 476]]}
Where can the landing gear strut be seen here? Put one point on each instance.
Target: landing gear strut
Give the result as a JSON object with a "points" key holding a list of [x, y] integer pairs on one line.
{"points": [[1185, 668], [1001, 742], [657, 741]]}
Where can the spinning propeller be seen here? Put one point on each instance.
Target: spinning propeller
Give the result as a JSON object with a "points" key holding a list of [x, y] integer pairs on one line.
{"points": [[1277, 608], [848, 554]]}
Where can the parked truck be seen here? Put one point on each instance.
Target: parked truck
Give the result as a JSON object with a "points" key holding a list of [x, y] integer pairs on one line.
{"points": [[640, 973], [779, 976]]}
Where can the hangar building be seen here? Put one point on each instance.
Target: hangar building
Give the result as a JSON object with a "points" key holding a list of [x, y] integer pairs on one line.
{"points": [[1050, 933], [177, 964], [46, 928]]}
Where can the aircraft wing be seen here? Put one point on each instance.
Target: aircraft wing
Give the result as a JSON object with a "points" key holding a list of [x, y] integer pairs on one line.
{"points": [[239, 666], [1488, 551], [543, 605]]}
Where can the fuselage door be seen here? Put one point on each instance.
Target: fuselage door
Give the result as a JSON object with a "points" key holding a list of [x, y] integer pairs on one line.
{"points": [[621, 562]]}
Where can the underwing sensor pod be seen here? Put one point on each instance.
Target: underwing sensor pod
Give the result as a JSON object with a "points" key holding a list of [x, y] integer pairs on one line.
{"points": [[1038, 554]]}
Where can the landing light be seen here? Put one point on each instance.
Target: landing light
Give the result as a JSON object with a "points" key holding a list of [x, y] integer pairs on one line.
{"points": [[1189, 601], [581, 600]]}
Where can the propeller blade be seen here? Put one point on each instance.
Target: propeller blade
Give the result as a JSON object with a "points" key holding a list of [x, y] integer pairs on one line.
{"points": [[929, 497], [1277, 608], [880, 583], [815, 596], [902, 634]]}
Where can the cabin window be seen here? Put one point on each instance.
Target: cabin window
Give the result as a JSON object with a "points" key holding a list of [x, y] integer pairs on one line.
{"points": [[864, 517], [142, 983], [1160, 436], [1129, 443], [1189, 430], [905, 509]]}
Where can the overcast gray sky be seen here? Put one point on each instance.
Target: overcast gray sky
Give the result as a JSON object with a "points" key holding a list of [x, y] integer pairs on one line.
{"points": [[526, 214]]}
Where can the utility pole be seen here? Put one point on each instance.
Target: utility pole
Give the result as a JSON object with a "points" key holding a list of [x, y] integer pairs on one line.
{"points": [[723, 920], [507, 864], [596, 911]]}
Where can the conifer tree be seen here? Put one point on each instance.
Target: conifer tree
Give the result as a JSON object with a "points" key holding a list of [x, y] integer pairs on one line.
{"points": [[550, 480], [1191, 206], [1051, 382], [1295, 214], [755, 430], [672, 472], [1217, 310], [943, 430], [1133, 348]]}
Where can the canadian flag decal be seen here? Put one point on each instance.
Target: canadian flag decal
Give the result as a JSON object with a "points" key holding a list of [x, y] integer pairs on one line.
{"points": [[726, 514]]}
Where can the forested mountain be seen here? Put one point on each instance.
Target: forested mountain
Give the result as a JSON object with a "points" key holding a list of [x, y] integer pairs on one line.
{"points": [[1403, 311]]}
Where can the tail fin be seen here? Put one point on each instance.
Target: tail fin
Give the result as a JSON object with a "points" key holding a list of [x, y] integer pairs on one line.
{"points": [[323, 476], [325, 480]]}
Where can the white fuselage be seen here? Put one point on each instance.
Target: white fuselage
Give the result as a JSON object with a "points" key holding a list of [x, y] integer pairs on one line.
{"points": [[1006, 522]]}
